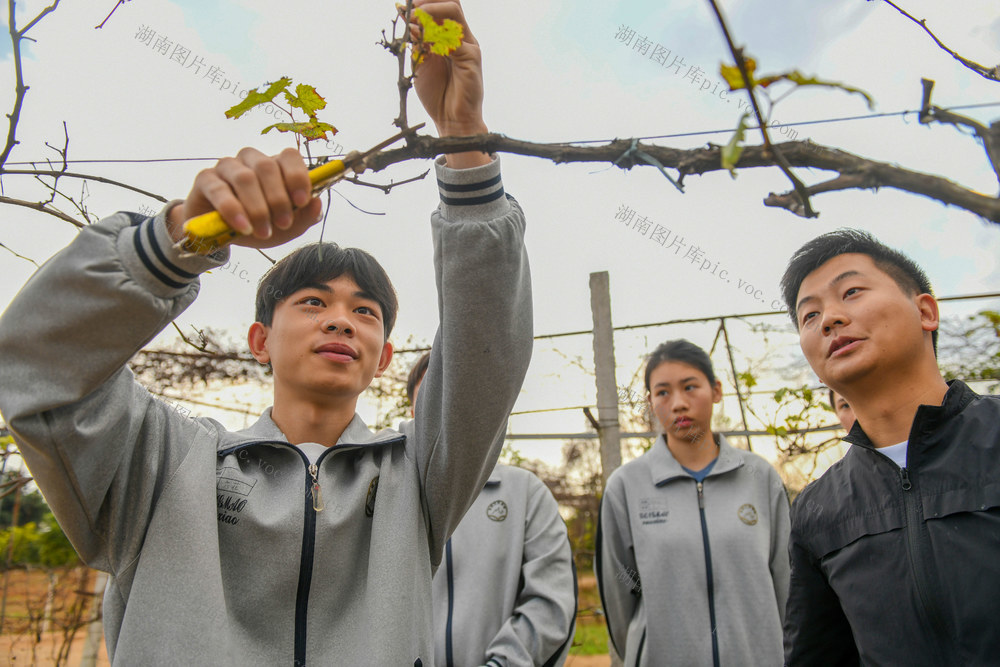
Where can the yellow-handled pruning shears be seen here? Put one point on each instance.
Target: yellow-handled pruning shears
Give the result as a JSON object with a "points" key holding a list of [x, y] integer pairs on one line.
{"points": [[206, 233]]}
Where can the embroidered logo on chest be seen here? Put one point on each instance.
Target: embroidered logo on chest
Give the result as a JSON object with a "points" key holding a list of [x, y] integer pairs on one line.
{"points": [[233, 489], [652, 511], [497, 511], [747, 514]]}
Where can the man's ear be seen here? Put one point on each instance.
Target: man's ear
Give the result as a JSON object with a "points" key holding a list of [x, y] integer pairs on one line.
{"points": [[717, 391], [384, 359], [257, 339], [930, 317]]}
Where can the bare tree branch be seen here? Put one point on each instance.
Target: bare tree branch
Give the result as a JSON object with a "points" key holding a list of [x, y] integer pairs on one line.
{"points": [[991, 73], [386, 188], [87, 177], [106, 18], [804, 206], [27, 259], [990, 136], [20, 89], [39, 206], [872, 174]]}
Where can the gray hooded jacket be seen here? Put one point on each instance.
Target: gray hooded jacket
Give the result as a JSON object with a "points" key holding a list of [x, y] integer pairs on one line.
{"points": [[676, 559], [505, 594], [216, 554]]}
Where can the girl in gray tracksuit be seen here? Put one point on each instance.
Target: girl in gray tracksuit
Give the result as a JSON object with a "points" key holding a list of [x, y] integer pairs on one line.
{"points": [[692, 543]]}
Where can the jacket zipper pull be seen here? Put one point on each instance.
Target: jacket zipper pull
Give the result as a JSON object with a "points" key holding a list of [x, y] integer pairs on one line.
{"points": [[701, 498], [317, 493], [906, 479]]}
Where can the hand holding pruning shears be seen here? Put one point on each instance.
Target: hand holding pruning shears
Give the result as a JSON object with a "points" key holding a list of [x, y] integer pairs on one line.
{"points": [[259, 201]]}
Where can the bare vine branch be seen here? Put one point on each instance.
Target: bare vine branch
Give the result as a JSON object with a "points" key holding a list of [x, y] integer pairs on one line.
{"points": [[39, 206], [20, 89], [390, 185], [990, 136], [106, 18], [27, 259], [868, 174], [86, 177], [804, 207], [991, 73]]}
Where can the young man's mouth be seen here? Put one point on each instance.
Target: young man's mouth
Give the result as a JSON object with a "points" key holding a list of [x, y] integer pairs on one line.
{"points": [[842, 345], [337, 352]]}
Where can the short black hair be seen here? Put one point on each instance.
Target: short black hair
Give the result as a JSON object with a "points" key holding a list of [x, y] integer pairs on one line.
{"points": [[683, 351], [833, 403], [319, 263], [416, 375], [817, 252]]}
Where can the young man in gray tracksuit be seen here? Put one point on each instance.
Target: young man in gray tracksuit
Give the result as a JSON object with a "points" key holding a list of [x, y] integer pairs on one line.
{"points": [[305, 538], [505, 594]]}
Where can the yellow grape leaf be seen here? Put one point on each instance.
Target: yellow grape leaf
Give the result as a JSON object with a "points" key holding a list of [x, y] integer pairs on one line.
{"points": [[800, 80], [732, 151], [731, 73], [307, 99], [443, 38], [255, 98], [310, 129]]}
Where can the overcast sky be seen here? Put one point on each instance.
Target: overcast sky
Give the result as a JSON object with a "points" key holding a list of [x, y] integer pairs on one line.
{"points": [[555, 71]]}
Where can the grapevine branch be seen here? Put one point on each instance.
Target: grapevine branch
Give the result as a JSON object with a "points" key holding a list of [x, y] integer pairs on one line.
{"points": [[991, 73], [804, 208], [990, 136], [855, 172]]}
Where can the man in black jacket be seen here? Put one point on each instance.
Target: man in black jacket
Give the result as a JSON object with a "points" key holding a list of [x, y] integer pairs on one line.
{"points": [[894, 550]]}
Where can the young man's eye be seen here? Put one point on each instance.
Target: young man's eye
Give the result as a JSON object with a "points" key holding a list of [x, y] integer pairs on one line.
{"points": [[851, 291], [808, 316], [312, 301], [367, 310]]}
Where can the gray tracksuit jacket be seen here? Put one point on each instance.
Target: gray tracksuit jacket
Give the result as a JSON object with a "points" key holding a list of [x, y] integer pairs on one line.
{"points": [[216, 554], [505, 594], [694, 574]]}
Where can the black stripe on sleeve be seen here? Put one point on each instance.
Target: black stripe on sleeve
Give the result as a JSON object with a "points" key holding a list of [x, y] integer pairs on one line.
{"points": [[151, 233], [147, 262], [472, 201]]}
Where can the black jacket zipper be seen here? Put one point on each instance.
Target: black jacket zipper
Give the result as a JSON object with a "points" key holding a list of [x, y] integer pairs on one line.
{"points": [[708, 572], [915, 539]]}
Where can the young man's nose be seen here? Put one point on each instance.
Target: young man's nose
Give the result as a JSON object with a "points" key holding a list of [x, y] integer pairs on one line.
{"points": [[833, 318], [338, 324]]}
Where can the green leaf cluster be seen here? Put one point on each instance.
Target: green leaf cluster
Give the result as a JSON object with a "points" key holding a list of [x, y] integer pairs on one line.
{"points": [[305, 98]]}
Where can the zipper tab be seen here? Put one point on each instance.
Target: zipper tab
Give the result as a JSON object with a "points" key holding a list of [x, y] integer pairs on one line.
{"points": [[701, 497], [317, 493], [906, 479]]}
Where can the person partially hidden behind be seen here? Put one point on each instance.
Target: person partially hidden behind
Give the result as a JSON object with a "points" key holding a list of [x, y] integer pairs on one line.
{"points": [[843, 410], [894, 549], [307, 538], [505, 594]]}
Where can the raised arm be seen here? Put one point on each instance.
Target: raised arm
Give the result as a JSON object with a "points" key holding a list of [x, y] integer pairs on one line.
{"points": [[481, 352], [99, 446]]}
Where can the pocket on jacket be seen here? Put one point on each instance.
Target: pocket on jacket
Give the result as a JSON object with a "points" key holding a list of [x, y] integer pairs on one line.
{"points": [[954, 501], [826, 540]]}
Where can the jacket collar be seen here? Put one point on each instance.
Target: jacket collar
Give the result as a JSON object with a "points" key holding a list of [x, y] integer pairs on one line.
{"points": [[928, 417], [664, 467], [494, 479], [356, 433]]}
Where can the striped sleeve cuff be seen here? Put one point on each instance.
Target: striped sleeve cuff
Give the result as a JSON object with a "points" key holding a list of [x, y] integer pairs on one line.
{"points": [[148, 252], [475, 193]]}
